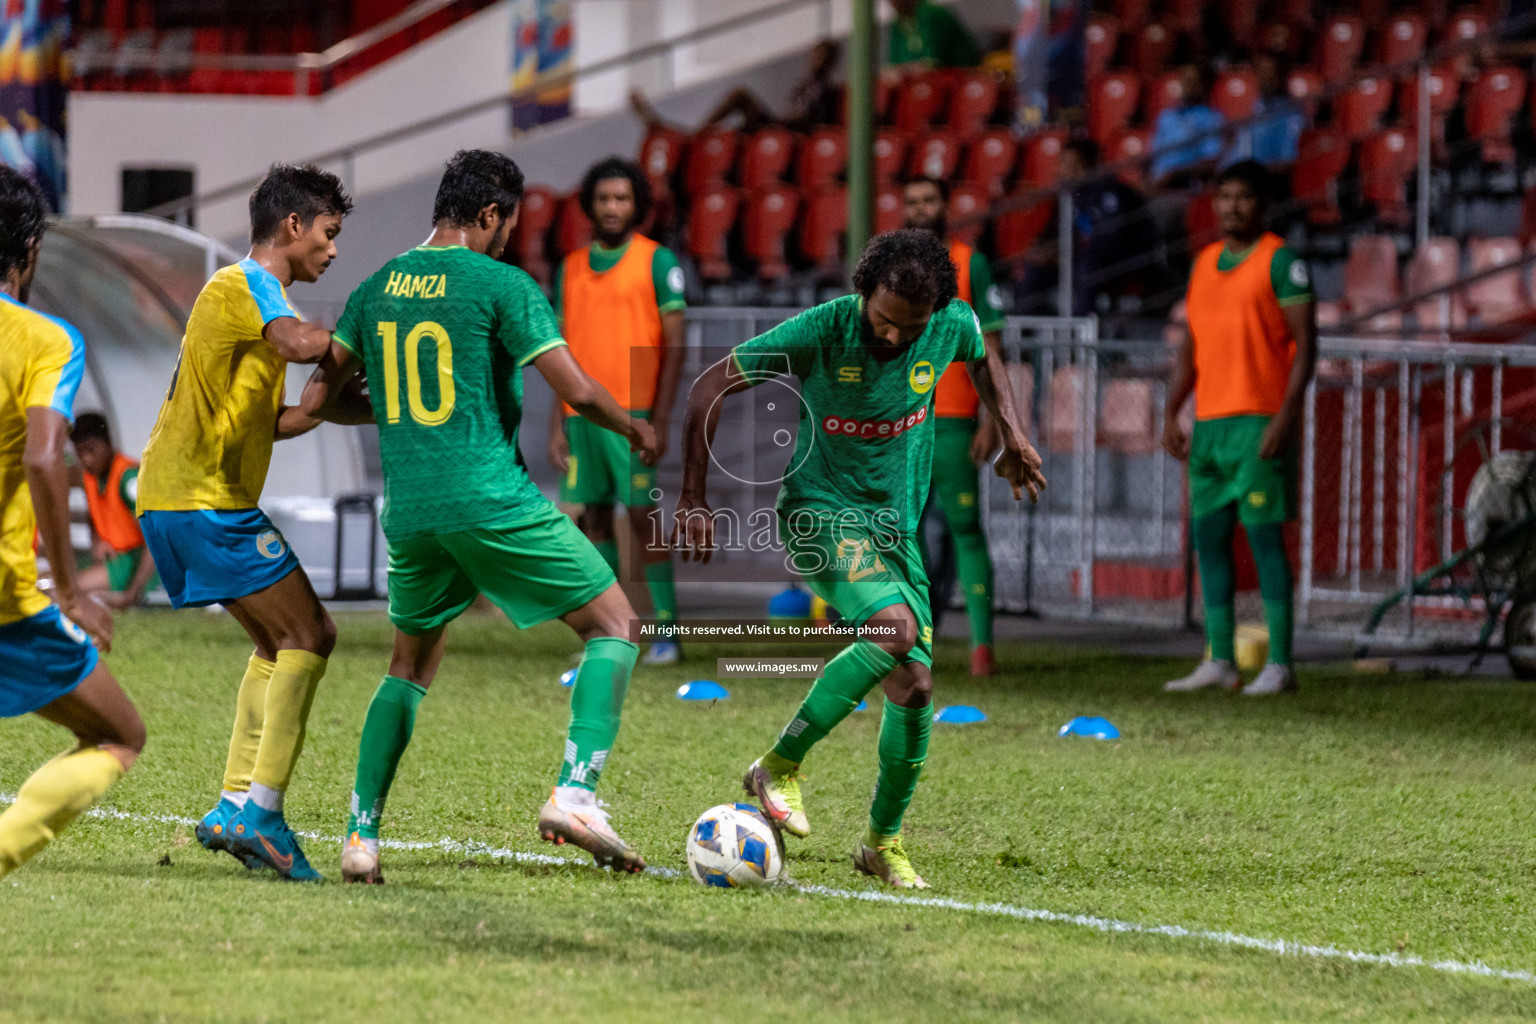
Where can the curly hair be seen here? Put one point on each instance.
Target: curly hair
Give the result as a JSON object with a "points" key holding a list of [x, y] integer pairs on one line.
{"points": [[472, 180], [617, 167], [913, 263], [23, 218]]}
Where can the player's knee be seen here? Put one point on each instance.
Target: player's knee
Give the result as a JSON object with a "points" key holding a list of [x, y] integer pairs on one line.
{"points": [[317, 635], [596, 521], [899, 641]]}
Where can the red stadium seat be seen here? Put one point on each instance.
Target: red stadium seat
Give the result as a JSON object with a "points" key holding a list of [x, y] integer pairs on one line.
{"points": [[1465, 25], [1040, 155], [1402, 39], [771, 214], [1305, 87], [531, 235], [572, 228], [1387, 160], [1151, 48], [1298, 12], [1235, 94], [1162, 92], [710, 220], [967, 204], [1112, 104], [1133, 148], [766, 157], [822, 227], [1435, 264], [1015, 231], [934, 154], [1370, 274], [890, 209], [1502, 296], [1343, 41], [661, 154], [1200, 220], [823, 159], [1444, 88], [1242, 20], [1493, 100], [1132, 12], [972, 101], [1322, 157], [1185, 15], [1102, 38], [711, 156], [1127, 415], [1358, 111], [890, 155], [1066, 409], [919, 100], [989, 160]]}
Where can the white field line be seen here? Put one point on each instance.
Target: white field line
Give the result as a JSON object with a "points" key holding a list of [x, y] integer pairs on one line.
{"points": [[1279, 947]]}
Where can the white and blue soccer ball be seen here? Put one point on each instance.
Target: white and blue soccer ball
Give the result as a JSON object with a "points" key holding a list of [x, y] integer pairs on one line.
{"points": [[733, 846]]}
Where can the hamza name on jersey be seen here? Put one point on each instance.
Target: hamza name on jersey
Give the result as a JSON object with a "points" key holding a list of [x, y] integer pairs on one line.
{"points": [[416, 286]]}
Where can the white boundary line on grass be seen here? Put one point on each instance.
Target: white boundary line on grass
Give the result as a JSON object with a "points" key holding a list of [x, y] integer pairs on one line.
{"points": [[1279, 947]]}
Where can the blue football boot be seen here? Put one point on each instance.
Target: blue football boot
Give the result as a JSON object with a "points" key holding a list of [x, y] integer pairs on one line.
{"points": [[263, 834], [213, 832]]}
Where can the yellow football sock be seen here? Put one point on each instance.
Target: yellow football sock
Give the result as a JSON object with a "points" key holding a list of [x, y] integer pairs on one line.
{"points": [[50, 800], [250, 710], [290, 692]]}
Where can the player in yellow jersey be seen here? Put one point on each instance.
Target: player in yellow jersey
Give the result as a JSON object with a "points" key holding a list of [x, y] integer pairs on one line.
{"points": [[48, 664], [201, 477]]}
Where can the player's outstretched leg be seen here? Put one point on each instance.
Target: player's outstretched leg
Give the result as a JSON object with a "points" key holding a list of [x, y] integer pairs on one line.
{"points": [[289, 615], [572, 814], [904, 729], [774, 778], [110, 736], [244, 743], [386, 733]]}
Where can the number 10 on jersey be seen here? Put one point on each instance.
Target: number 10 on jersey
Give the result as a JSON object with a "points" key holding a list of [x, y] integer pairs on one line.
{"points": [[389, 335]]}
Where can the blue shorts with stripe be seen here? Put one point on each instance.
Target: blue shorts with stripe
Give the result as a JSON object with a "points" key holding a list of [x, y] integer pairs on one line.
{"points": [[213, 556], [42, 657]]}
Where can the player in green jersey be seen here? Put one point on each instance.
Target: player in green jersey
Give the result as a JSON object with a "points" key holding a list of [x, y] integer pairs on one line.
{"points": [[850, 508], [444, 332]]}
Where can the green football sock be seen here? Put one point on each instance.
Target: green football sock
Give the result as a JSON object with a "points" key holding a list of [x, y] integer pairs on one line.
{"points": [[1218, 579], [386, 734], [597, 699], [1267, 542], [658, 578], [843, 683], [609, 549], [903, 751], [974, 567]]}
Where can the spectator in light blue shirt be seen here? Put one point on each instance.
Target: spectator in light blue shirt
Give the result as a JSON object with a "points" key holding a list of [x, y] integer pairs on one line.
{"points": [[1186, 141], [1273, 137]]}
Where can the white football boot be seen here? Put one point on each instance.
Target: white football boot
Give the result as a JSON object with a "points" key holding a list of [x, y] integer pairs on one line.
{"points": [[1222, 674], [1275, 679]]}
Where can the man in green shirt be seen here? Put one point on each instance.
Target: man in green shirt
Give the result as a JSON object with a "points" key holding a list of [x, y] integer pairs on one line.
{"points": [[928, 35], [850, 505], [444, 332], [620, 301]]}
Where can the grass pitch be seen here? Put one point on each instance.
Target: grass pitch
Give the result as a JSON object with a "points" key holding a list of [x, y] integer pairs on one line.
{"points": [[1377, 814]]}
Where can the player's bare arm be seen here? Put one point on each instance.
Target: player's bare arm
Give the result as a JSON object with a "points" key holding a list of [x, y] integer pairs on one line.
{"points": [[559, 449], [336, 391], [671, 374], [1175, 440], [48, 479], [988, 438], [694, 531], [1301, 318], [297, 341], [592, 401], [1019, 463]]}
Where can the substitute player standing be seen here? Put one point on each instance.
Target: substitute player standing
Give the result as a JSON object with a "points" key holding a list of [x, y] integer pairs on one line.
{"points": [[444, 332], [621, 305], [1247, 359], [48, 664], [963, 438], [201, 479], [850, 508]]}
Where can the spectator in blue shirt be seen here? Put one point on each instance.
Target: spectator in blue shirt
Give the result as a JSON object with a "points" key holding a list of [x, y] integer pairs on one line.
{"points": [[1273, 137], [1186, 141]]}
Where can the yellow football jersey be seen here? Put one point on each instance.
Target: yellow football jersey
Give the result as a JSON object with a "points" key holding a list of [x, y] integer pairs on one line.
{"points": [[213, 439], [42, 361]]}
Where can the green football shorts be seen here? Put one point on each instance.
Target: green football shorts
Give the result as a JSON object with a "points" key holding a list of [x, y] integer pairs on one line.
{"points": [[603, 471], [122, 566], [534, 570], [1224, 467], [859, 573]]}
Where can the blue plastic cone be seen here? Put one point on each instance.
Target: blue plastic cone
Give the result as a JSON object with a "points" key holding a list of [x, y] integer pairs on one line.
{"points": [[568, 677], [1091, 726], [702, 689], [959, 714]]}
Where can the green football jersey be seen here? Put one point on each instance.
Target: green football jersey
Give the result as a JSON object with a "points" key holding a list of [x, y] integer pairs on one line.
{"points": [[445, 333], [865, 438]]}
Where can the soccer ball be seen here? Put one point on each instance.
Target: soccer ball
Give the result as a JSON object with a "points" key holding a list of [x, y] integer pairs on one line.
{"points": [[733, 846]]}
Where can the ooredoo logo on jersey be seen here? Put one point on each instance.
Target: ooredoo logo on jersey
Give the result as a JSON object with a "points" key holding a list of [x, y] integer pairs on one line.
{"points": [[872, 429]]}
